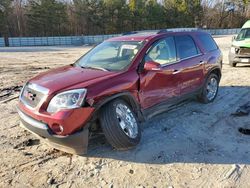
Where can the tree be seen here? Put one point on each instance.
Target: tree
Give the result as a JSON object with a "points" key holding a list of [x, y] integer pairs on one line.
{"points": [[5, 12], [91, 17], [137, 14], [155, 15], [18, 21], [225, 14], [46, 17], [183, 13], [116, 16]]}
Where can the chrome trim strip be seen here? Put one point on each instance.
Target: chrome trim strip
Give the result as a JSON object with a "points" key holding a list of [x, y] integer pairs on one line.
{"points": [[179, 60], [191, 57], [31, 121], [21, 93], [38, 88]]}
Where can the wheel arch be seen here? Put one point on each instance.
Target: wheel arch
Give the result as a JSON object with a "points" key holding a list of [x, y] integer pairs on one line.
{"points": [[215, 70], [127, 97]]}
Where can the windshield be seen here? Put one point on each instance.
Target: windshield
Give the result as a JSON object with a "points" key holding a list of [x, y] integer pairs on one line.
{"points": [[111, 55], [244, 34]]}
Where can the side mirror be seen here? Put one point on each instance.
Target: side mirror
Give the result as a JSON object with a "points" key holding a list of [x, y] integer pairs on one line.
{"points": [[233, 38], [152, 66]]}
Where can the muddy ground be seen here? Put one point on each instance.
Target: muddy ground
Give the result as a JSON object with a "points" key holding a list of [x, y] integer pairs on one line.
{"points": [[194, 145]]}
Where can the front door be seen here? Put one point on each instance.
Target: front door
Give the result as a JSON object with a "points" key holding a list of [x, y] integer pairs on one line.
{"points": [[157, 86]]}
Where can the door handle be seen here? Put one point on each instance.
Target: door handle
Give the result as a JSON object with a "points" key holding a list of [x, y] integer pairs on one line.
{"points": [[176, 71], [201, 63]]}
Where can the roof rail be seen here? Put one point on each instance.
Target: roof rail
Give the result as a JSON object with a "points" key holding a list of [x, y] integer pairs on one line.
{"points": [[141, 32], [163, 31], [183, 29], [130, 33]]}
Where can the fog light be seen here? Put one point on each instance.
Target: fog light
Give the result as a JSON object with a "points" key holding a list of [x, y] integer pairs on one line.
{"points": [[57, 128]]}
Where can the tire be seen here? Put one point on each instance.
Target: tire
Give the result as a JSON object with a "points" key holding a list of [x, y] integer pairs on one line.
{"points": [[205, 96], [232, 64], [112, 123]]}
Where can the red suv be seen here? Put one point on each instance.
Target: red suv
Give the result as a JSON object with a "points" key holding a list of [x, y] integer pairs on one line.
{"points": [[118, 84]]}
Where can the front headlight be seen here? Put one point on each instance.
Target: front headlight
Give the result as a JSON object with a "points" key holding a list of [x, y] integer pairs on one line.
{"points": [[67, 100]]}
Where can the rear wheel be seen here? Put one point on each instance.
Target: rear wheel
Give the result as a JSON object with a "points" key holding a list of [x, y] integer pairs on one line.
{"points": [[210, 89], [120, 125]]}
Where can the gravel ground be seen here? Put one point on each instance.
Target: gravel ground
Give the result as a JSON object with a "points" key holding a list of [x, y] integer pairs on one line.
{"points": [[194, 145]]}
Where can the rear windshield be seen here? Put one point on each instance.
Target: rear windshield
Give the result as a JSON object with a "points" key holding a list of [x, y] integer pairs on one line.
{"points": [[244, 34], [207, 42]]}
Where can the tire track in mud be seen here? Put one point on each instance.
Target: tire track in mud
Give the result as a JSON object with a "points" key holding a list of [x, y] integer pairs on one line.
{"points": [[232, 175], [9, 93], [233, 102], [53, 154]]}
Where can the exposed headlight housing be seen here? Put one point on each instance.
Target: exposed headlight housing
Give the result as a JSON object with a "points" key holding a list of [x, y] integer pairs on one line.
{"points": [[233, 50], [67, 100]]}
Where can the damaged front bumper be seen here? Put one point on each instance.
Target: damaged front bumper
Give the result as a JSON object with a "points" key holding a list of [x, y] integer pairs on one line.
{"points": [[242, 56], [76, 143]]}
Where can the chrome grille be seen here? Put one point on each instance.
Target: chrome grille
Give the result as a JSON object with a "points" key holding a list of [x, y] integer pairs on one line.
{"points": [[244, 51], [33, 94]]}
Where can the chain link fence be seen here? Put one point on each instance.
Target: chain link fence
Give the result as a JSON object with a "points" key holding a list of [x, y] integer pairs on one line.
{"points": [[223, 31], [2, 43], [57, 41], [88, 40]]}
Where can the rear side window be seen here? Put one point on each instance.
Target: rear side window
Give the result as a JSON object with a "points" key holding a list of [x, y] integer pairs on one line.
{"points": [[185, 46], [207, 42]]}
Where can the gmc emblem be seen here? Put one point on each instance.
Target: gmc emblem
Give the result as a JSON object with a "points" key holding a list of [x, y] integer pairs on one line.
{"points": [[29, 95]]}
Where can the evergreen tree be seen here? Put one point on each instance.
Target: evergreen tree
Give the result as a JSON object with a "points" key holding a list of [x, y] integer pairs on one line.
{"points": [[5, 12], [46, 17], [91, 17]]}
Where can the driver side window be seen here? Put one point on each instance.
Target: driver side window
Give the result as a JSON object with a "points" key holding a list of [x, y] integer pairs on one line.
{"points": [[163, 52]]}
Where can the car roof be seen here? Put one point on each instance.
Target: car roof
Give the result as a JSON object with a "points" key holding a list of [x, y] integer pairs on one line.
{"points": [[148, 35]]}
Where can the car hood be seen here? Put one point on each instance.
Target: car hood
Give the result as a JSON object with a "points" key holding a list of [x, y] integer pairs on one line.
{"points": [[69, 76], [242, 43]]}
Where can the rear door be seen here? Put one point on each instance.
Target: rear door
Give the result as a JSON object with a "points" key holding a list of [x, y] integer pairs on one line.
{"points": [[192, 64], [161, 85]]}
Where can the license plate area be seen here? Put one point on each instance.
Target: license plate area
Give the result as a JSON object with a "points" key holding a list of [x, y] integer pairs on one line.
{"points": [[245, 60]]}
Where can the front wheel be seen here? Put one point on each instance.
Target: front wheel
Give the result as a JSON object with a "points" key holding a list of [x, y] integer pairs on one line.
{"points": [[210, 89], [232, 64], [120, 125]]}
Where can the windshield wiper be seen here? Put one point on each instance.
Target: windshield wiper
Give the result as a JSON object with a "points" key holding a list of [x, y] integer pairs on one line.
{"points": [[97, 68]]}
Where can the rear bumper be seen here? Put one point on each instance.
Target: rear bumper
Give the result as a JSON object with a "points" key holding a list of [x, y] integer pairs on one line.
{"points": [[235, 58], [76, 143]]}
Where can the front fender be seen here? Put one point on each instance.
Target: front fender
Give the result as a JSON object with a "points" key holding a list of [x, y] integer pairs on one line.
{"points": [[128, 97]]}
